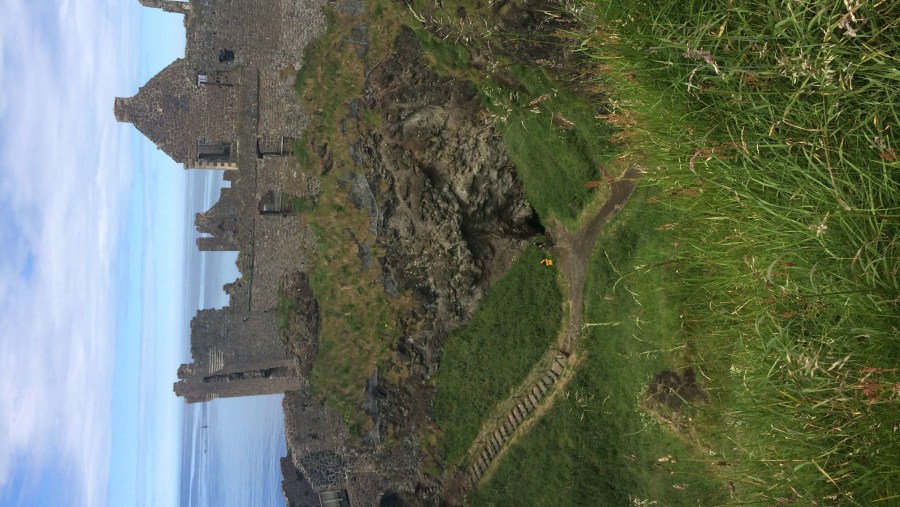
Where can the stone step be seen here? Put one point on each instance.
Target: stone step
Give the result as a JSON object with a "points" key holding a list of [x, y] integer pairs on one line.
{"points": [[541, 388], [548, 380], [556, 369], [528, 406], [534, 400], [521, 411], [527, 403], [498, 435], [505, 430]]}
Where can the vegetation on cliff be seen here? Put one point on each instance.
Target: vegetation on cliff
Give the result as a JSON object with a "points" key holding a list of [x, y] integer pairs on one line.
{"points": [[359, 321], [764, 253], [517, 321], [758, 258]]}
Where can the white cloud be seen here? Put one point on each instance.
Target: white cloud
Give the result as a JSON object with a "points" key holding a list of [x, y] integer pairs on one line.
{"points": [[64, 169]]}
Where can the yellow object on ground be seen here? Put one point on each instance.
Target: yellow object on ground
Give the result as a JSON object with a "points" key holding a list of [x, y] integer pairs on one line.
{"points": [[547, 262]]}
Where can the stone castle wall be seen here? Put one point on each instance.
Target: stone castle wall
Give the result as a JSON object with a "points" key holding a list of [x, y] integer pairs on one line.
{"points": [[248, 52], [283, 174], [316, 441], [283, 244], [245, 338], [172, 97], [233, 92]]}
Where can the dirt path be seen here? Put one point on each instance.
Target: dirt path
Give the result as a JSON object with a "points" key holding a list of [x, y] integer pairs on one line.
{"points": [[573, 249], [515, 415]]}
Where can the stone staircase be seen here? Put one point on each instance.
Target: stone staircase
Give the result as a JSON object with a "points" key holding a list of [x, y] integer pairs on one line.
{"points": [[521, 406], [334, 499]]}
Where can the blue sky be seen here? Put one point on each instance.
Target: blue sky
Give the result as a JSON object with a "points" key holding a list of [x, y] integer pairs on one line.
{"points": [[92, 222]]}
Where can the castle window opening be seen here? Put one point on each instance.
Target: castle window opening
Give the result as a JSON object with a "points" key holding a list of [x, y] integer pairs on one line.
{"points": [[226, 55], [272, 203], [213, 152], [217, 78], [280, 203]]}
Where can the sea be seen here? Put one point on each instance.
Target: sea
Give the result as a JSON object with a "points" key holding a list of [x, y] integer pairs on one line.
{"points": [[231, 447]]}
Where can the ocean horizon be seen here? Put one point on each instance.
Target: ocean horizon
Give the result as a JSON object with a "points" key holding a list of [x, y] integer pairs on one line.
{"points": [[231, 447]]}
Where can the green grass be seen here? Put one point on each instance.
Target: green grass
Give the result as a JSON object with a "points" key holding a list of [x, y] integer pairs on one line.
{"points": [[446, 57], [303, 153], [557, 144], [763, 252], [552, 134], [482, 362], [359, 321], [766, 258], [596, 446], [284, 309], [768, 133]]}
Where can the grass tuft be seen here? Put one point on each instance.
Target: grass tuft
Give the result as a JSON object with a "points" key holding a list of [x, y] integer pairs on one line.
{"points": [[482, 362]]}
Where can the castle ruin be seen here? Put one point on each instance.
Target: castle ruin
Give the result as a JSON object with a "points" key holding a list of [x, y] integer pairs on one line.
{"points": [[229, 105]]}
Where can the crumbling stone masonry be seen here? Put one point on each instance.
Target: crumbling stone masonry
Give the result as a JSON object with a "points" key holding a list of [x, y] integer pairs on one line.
{"points": [[229, 105]]}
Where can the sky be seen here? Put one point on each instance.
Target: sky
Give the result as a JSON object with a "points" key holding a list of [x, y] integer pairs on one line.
{"points": [[91, 230], [64, 177]]}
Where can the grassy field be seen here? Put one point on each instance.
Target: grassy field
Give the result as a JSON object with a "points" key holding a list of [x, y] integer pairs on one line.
{"points": [[555, 141], [596, 446], [358, 320], [482, 362], [762, 250], [768, 137]]}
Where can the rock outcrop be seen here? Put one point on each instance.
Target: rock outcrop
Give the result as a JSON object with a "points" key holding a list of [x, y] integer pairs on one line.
{"points": [[453, 214], [450, 217]]}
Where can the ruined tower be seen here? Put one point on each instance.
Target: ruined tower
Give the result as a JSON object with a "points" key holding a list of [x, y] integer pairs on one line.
{"points": [[168, 5], [229, 105], [193, 123], [235, 353]]}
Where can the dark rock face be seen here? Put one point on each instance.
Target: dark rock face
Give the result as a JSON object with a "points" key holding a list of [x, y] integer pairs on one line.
{"points": [[453, 212], [303, 320], [392, 500], [298, 492], [450, 216], [671, 390], [326, 469]]}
